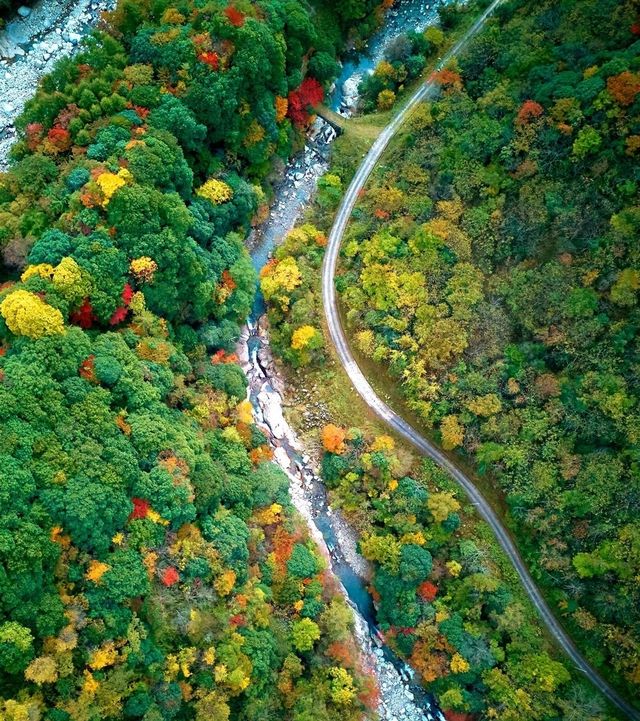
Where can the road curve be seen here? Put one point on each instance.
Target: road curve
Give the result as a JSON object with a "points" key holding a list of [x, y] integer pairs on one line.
{"points": [[398, 424]]}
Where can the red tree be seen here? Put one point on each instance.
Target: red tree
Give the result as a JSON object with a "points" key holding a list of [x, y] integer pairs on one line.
{"points": [[447, 78], [119, 314], [235, 16], [66, 115], [86, 369], [342, 653], [34, 133], [211, 59], [309, 94], [127, 294], [170, 576], [140, 508], [59, 138], [529, 110], [227, 281], [220, 356], [427, 591], [84, 315]]}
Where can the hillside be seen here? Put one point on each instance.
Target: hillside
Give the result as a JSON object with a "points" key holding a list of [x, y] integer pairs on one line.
{"points": [[492, 267]]}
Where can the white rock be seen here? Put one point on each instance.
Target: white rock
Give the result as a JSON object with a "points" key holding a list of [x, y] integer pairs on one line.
{"points": [[350, 87], [272, 411], [24, 11], [281, 457]]}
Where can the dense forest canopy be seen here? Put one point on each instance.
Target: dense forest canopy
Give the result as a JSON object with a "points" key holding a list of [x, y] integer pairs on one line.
{"points": [[151, 565], [493, 267]]}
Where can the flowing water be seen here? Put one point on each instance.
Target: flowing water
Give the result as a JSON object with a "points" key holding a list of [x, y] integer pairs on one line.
{"points": [[401, 697]]}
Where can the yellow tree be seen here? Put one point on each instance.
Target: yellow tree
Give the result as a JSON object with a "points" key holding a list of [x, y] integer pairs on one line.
{"points": [[26, 314], [302, 337], [279, 279], [452, 432], [42, 670], [486, 405], [441, 505], [215, 191]]}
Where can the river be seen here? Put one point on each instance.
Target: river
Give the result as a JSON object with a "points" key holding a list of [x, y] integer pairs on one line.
{"points": [[29, 47], [401, 696]]}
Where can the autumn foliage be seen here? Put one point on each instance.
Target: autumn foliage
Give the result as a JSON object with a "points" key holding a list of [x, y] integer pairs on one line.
{"points": [[529, 110], [170, 576], [333, 438], [624, 87], [59, 138], [140, 508], [161, 579], [447, 79], [427, 591], [236, 17], [300, 101], [83, 316], [211, 59]]}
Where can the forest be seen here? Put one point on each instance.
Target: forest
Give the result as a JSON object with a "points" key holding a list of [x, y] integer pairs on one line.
{"points": [[491, 271], [151, 564], [446, 600]]}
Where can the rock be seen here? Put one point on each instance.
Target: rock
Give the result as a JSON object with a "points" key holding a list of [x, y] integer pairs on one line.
{"points": [[7, 108], [272, 412], [10, 50], [24, 11], [263, 325], [282, 458], [243, 354]]}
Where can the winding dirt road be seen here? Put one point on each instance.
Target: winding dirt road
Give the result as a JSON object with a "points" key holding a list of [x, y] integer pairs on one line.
{"points": [[398, 424]]}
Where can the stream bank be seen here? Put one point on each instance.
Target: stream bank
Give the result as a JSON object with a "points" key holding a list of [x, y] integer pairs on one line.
{"points": [[30, 46], [401, 696]]}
